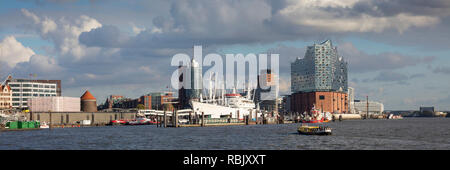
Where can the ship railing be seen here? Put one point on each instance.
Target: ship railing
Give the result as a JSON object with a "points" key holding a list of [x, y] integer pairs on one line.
{"points": [[221, 120]]}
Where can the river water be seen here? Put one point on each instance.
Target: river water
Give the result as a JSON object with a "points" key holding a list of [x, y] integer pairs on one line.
{"points": [[409, 133]]}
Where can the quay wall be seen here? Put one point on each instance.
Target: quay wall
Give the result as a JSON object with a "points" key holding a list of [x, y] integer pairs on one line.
{"points": [[348, 116], [70, 118]]}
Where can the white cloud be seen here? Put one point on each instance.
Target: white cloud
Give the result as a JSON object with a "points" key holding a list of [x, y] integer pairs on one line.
{"points": [[64, 33], [146, 69], [33, 16], [136, 29], [48, 25], [19, 59], [285, 85], [337, 16], [13, 52], [90, 75], [44, 64]]}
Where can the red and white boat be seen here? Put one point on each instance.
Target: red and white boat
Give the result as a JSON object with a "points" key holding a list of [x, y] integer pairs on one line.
{"points": [[141, 121], [118, 121], [316, 116], [44, 125]]}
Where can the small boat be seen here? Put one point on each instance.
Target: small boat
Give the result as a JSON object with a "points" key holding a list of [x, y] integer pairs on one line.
{"points": [[314, 130], [392, 116], [44, 126], [118, 122], [141, 121]]}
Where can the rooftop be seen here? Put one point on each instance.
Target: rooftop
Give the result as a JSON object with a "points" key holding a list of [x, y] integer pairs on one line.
{"points": [[87, 96]]}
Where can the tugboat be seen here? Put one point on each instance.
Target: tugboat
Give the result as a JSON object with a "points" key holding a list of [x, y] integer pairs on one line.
{"points": [[316, 116], [314, 130], [141, 121]]}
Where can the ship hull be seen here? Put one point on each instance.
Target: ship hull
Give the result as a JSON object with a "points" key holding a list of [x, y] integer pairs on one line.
{"points": [[314, 131], [217, 111], [313, 121]]}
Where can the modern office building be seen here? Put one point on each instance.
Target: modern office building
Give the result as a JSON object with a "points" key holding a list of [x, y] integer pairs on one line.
{"points": [[267, 91], [23, 89], [5, 97], [159, 99], [191, 89], [351, 100], [285, 105], [361, 107], [196, 83], [320, 79]]}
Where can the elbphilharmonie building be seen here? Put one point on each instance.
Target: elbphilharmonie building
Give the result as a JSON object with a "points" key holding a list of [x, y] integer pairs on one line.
{"points": [[320, 79]]}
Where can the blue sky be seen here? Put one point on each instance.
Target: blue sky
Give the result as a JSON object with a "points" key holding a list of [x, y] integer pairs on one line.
{"points": [[398, 56]]}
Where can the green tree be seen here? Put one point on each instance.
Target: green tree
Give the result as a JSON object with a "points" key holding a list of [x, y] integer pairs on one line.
{"points": [[140, 107], [167, 106]]}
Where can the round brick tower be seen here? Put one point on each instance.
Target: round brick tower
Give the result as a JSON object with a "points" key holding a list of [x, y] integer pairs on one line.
{"points": [[88, 102]]}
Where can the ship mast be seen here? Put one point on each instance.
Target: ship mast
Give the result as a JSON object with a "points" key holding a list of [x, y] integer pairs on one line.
{"points": [[215, 87], [223, 94], [248, 92], [210, 88]]}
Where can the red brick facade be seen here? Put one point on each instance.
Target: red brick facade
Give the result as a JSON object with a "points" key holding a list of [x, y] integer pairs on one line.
{"points": [[328, 101], [146, 101]]}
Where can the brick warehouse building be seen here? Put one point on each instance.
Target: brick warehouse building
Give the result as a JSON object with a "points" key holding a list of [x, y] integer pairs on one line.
{"points": [[153, 101], [328, 101], [320, 79]]}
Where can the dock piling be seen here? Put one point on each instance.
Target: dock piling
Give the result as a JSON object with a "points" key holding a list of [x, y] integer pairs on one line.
{"points": [[50, 126], [190, 118], [176, 118], [157, 120], [165, 119], [203, 119]]}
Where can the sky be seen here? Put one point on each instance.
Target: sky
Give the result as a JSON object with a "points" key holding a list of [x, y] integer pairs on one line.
{"points": [[397, 51]]}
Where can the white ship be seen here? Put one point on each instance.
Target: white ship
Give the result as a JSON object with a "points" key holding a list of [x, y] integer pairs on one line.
{"points": [[222, 106]]}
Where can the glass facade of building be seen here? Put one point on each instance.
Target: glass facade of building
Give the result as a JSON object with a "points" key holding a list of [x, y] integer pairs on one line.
{"points": [[22, 90], [320, 70], [267, 90], [196, 83]]}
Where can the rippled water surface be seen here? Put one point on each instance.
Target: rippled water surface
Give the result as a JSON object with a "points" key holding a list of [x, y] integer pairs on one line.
{"points": [[409, 133]]}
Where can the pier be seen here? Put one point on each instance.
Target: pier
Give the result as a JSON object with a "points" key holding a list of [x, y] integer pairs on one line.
{"points": [[173, 118], [73, 119]]}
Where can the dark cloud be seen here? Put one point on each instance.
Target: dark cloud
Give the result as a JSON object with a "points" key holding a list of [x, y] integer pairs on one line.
{"points": [[360, 62], [241, 22], [199, 22], [392, 7], [388, 76], [442, 70], [399, 78], [105, 36]]}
